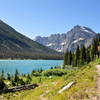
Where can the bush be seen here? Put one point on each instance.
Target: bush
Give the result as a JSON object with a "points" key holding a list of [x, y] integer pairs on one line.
{"points": [[21, 82], [13, 82], [54, 72], [36, 74], [8, 76], [2, 84]]}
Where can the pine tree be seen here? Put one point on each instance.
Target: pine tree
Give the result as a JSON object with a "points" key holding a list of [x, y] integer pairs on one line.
{"points": [[92, 52], [2, 84], [95, 45], [8, 76], [16, 79], [77, 56], [83, 55], [88, 58], [2, 75], [66, 58], [70, 58], [74, 60], [29, 79], [21, 82]]}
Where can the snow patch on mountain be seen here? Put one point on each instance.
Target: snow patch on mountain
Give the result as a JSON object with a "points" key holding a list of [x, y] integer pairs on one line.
{"points": [[50, 44], [75, 41], [85, 30], [59, 50], [63, 43]]}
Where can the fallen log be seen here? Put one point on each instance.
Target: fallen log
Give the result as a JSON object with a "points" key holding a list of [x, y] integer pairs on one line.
{"points": [[69, 85], [19, 88]]}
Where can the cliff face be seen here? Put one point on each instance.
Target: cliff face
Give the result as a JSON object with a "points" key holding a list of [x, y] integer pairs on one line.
{"points": [[79, 35]]}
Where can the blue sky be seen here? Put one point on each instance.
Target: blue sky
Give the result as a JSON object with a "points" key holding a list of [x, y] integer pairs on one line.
{"points": [[45, 17]]}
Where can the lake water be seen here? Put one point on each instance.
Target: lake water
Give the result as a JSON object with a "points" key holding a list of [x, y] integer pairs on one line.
{"points": [[26, 66]]}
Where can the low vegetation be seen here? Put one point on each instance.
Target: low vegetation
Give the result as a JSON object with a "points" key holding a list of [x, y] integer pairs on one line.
{"points": [[51, 81]]}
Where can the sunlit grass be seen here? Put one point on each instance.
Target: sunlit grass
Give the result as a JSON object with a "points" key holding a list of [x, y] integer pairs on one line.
{"points": [[85, 78]]}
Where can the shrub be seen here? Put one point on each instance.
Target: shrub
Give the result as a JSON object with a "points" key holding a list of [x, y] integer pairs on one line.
{"points": [[2, 84], [8, 76], [36, 74], [54, 72], [13, 82], [21, 82]]}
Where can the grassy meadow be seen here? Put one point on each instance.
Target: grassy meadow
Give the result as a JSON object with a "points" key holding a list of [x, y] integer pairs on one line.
{"points": [[49, 85]]}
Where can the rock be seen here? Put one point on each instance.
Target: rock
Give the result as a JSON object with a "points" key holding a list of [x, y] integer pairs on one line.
{"points": [[79, 35]]}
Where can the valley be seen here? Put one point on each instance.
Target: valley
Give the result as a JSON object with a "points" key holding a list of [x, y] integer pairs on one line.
{"points": [[26, 63], [49, 49]]}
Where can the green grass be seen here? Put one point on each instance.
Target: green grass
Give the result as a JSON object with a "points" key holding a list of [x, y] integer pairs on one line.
{"points": [[84, 89]]}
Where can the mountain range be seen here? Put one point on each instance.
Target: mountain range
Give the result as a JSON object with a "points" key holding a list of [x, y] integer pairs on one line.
{"points": [[78, 35], [14, 45]]}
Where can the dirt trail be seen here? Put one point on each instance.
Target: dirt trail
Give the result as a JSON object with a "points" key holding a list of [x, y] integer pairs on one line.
{"points": [[42, 98], [92, 98], [98, 82]]}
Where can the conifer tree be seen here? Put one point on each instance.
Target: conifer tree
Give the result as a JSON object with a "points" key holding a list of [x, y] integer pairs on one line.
{"points": [[77, 56], [74, 60], [66, 58], [88, 59], [92, 52], [29, 79], [2, 75], [70, 58], [83, 55], [95, 45], [16, 79], [8, 76], [2, 84]]}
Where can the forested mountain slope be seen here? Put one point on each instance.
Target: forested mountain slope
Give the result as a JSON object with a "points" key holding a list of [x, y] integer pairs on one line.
{"points": [[15, 45]]}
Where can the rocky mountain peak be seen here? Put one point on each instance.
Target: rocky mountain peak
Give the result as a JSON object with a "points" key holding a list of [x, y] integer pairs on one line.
{"points": [[78, 35], [78, 28]]}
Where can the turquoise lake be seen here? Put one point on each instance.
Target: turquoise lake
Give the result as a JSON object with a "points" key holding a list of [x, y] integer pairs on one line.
{"points": [[26, 66]]}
